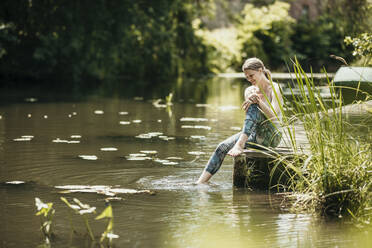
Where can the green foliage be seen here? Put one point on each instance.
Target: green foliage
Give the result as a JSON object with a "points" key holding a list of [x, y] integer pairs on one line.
{"points": [[353, 17], [314, 41], [265, 33], [362, 46], [82, 44], [335, 172]]}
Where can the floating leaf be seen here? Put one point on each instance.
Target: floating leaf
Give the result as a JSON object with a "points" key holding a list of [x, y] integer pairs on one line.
{"points": [[124, 122], [149, 152], [138, 158], [98, 112], [58, 140], [22, 139], [166, 138], [161, 161], [73, 142], [88, 157], [170, 163], [197, 153], [174, 158], [99, 189], [137, 155], [200, 137], [193, 119], [108, 149], [196, 127], [27, 136], [15, 182], [148, 135]]}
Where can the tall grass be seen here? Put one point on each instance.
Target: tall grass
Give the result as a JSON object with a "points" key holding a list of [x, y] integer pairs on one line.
{"points": [[333, 174]]}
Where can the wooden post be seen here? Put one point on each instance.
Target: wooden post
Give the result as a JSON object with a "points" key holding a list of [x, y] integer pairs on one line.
{"points": [[252, 169]]}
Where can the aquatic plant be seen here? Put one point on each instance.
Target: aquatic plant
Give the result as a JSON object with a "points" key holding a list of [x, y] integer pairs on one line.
{"points": [[81, 209], [108, 233], [334, 173], [46, 213]]}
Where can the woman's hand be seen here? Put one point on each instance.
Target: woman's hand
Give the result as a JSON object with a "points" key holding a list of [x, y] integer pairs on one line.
{"points": [[253, 98]]}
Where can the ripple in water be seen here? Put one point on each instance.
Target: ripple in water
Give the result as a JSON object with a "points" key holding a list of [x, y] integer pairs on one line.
{"points": [[182, 182]]}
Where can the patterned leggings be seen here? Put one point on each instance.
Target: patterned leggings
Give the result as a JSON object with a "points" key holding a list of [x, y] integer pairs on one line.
{"points": [[258, 129]]}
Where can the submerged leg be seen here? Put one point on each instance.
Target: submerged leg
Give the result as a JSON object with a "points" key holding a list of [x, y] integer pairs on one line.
{"points": [[217, 158]]}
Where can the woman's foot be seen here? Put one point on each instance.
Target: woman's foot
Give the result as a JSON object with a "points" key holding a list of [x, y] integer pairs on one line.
{"points": [[235, 151]]}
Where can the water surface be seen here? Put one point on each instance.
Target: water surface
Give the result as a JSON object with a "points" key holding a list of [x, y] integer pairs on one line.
{"points": [[92, 142]]}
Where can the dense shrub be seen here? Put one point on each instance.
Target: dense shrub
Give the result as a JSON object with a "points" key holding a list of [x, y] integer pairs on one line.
{"points": [[80, 44]]}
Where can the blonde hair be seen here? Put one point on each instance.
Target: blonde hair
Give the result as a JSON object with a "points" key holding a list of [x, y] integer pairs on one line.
{"points": [[256, 64]]}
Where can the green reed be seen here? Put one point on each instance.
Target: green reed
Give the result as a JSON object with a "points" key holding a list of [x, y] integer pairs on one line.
{"points": [[333, 173]]}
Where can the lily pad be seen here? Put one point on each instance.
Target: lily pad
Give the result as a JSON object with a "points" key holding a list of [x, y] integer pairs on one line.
{"points": [[196, 127], [200, 137], [149, 152], [109, 149], [99, 189], [88, 157], [193, 119], [197, 153], [22, 139], [99, 112], [124, 122]]}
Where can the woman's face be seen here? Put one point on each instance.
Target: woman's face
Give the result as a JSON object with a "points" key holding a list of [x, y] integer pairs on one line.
{"points": [[253, 76]]}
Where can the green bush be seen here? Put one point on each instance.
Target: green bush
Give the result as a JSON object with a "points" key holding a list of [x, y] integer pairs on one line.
{"points": [[82, 44]]}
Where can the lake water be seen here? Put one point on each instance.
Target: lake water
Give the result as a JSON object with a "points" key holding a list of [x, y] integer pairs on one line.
{"points": [[48, 143]]}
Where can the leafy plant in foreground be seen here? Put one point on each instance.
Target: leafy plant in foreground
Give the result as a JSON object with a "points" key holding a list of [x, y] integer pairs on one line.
{"points": [[108, 233], [81, 209], [46, 213]]}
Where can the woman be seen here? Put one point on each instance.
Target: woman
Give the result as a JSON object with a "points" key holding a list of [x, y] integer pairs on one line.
{"points": [[262, 105]]}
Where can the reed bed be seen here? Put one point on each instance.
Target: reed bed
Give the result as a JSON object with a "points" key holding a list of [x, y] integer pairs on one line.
{"points": [[333, 174]]}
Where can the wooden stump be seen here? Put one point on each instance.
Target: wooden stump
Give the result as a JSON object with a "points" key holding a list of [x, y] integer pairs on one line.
{"points": [[252, 169]]}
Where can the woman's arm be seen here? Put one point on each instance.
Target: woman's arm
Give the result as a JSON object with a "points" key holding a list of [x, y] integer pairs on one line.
{"points": [[273, 111]]}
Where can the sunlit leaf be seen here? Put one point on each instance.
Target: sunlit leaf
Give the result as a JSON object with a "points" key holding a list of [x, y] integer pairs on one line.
{"points": [[106, 213]]}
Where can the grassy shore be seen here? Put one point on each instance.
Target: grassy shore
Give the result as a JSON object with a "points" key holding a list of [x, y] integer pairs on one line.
{"points": [[334, 175]]}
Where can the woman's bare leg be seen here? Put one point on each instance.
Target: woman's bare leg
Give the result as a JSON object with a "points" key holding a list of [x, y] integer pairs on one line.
{"points": [[204, 177], [239, 146]]}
